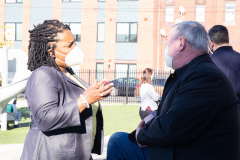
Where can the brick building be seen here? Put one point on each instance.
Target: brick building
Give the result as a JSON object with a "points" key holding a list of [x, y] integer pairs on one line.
{"points": [[119, 34]]}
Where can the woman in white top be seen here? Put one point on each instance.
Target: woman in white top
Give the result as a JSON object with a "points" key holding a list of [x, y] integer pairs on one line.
{"points": [[147, 94]]}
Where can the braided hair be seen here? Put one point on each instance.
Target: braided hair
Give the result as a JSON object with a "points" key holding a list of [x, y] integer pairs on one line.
{"points": [[41, 38]]}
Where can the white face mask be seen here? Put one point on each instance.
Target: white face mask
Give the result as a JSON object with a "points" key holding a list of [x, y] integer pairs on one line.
{"points": [[167, 58], [74, 57]]}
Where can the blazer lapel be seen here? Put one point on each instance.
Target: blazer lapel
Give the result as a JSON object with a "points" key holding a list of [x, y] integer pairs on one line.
{"points": [[68, 79]]}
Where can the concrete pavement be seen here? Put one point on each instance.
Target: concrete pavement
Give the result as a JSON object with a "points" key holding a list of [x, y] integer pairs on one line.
{"points": [[14, 151]]}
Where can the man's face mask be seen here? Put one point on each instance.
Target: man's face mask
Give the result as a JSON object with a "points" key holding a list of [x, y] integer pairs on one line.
{"points": [[74, 57], [167, 58]]}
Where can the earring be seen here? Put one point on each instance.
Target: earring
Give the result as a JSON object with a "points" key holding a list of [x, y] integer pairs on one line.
{"points": [[52, 55]]}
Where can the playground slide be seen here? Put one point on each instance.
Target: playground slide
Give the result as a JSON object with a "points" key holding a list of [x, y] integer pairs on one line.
{"points": [[17, 77], [10, 91]]}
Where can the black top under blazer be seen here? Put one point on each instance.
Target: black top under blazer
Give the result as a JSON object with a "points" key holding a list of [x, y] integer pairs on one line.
{"points": [[198, 117], [58, 131]]}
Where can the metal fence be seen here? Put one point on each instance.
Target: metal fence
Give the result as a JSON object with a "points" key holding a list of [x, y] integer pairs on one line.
{"points": [[126, 83]]}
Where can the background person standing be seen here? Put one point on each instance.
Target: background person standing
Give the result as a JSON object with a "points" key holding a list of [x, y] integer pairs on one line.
{"points": [[227, 59], [148, 95]]}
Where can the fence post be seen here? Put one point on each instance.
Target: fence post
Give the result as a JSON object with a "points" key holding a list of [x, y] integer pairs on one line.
{"points": [[127, 85], [89, 77]]}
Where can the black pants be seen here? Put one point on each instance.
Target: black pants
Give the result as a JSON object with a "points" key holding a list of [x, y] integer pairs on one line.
{"points": [[145, 113]]}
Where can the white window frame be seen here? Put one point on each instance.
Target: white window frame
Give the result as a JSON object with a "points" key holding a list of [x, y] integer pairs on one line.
{"points": [[229, 11], [99, 71], [73, 31], [100, 31], [122, 68], [16, 36], [128, 30], [169, 14], [13, 1], [200, 13]]}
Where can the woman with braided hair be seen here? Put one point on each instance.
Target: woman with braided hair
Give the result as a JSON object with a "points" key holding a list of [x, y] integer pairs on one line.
{"points": [[62, 111]]}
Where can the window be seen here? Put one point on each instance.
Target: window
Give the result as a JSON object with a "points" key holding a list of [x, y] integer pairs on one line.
{"points": [[15, 32], [100, 32], [100, 71], [76, 30], [72, 0], [169, 14], [229, 11], [121, 70], [200, 13], [13, 1], [126, 32]]}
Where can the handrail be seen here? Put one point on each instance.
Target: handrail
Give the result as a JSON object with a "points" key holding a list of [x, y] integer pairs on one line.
{"points": [[4, 38]]}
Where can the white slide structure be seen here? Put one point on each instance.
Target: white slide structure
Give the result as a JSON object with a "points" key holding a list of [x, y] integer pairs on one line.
{"points": [[14, 80]]}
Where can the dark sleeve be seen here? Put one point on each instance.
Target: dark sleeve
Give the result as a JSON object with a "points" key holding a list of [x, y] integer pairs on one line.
{"points": [[43, 94], [192, 109]]}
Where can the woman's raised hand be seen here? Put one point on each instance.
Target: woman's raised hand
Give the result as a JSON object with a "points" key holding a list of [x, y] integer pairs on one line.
{"points": [[97, 91]]}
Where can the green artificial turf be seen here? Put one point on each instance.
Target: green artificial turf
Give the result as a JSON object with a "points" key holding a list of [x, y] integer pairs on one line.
{"points": [[120, 118], [117, 117], [16, 135]]}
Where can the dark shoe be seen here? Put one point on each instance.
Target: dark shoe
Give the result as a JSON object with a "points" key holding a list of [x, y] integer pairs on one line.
{"points": [[17, 126]]}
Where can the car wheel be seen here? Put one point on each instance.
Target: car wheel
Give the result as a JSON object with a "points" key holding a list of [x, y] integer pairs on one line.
{"points": [[114, 92]]}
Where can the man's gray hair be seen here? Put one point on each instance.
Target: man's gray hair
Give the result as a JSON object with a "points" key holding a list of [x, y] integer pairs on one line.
{"points": [[194, 33]]}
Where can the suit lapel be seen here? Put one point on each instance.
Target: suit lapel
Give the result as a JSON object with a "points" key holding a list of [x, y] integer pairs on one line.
{"points": [[68, 79], [169, 84]]}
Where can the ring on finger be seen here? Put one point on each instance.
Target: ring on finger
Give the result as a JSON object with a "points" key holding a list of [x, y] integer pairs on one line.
{"points": [[101, 94]]}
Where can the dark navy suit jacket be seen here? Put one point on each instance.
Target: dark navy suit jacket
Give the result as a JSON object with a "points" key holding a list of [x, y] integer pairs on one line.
{"points": [[228, 61], [198, 116]]}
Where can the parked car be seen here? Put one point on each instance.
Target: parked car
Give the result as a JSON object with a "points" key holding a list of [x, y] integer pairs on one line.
{"points": [[159, 82], [158, 85], [120, 86]]}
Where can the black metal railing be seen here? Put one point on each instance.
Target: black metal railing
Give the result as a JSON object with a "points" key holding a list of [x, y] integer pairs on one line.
{"points": [[126, 83]]}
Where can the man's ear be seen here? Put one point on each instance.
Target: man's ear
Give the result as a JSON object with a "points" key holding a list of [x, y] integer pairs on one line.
{"points": [[182, 44], [212, 44]]}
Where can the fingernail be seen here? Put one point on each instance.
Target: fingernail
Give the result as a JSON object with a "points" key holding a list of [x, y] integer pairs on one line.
{"points": [[112, 84]]}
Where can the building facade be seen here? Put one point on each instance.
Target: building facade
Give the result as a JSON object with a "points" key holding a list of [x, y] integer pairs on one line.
{"points": [[119, 34]]}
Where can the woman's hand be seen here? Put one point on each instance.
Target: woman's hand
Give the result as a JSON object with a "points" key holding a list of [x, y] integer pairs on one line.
{"points": [[97, 91]]}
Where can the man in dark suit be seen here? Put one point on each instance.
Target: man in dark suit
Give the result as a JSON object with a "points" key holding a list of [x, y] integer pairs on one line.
{"points": [[198, 116], [224, 56]]}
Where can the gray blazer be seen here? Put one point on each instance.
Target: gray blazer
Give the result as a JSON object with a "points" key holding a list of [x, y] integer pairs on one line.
{"points": [[58, 131]]}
